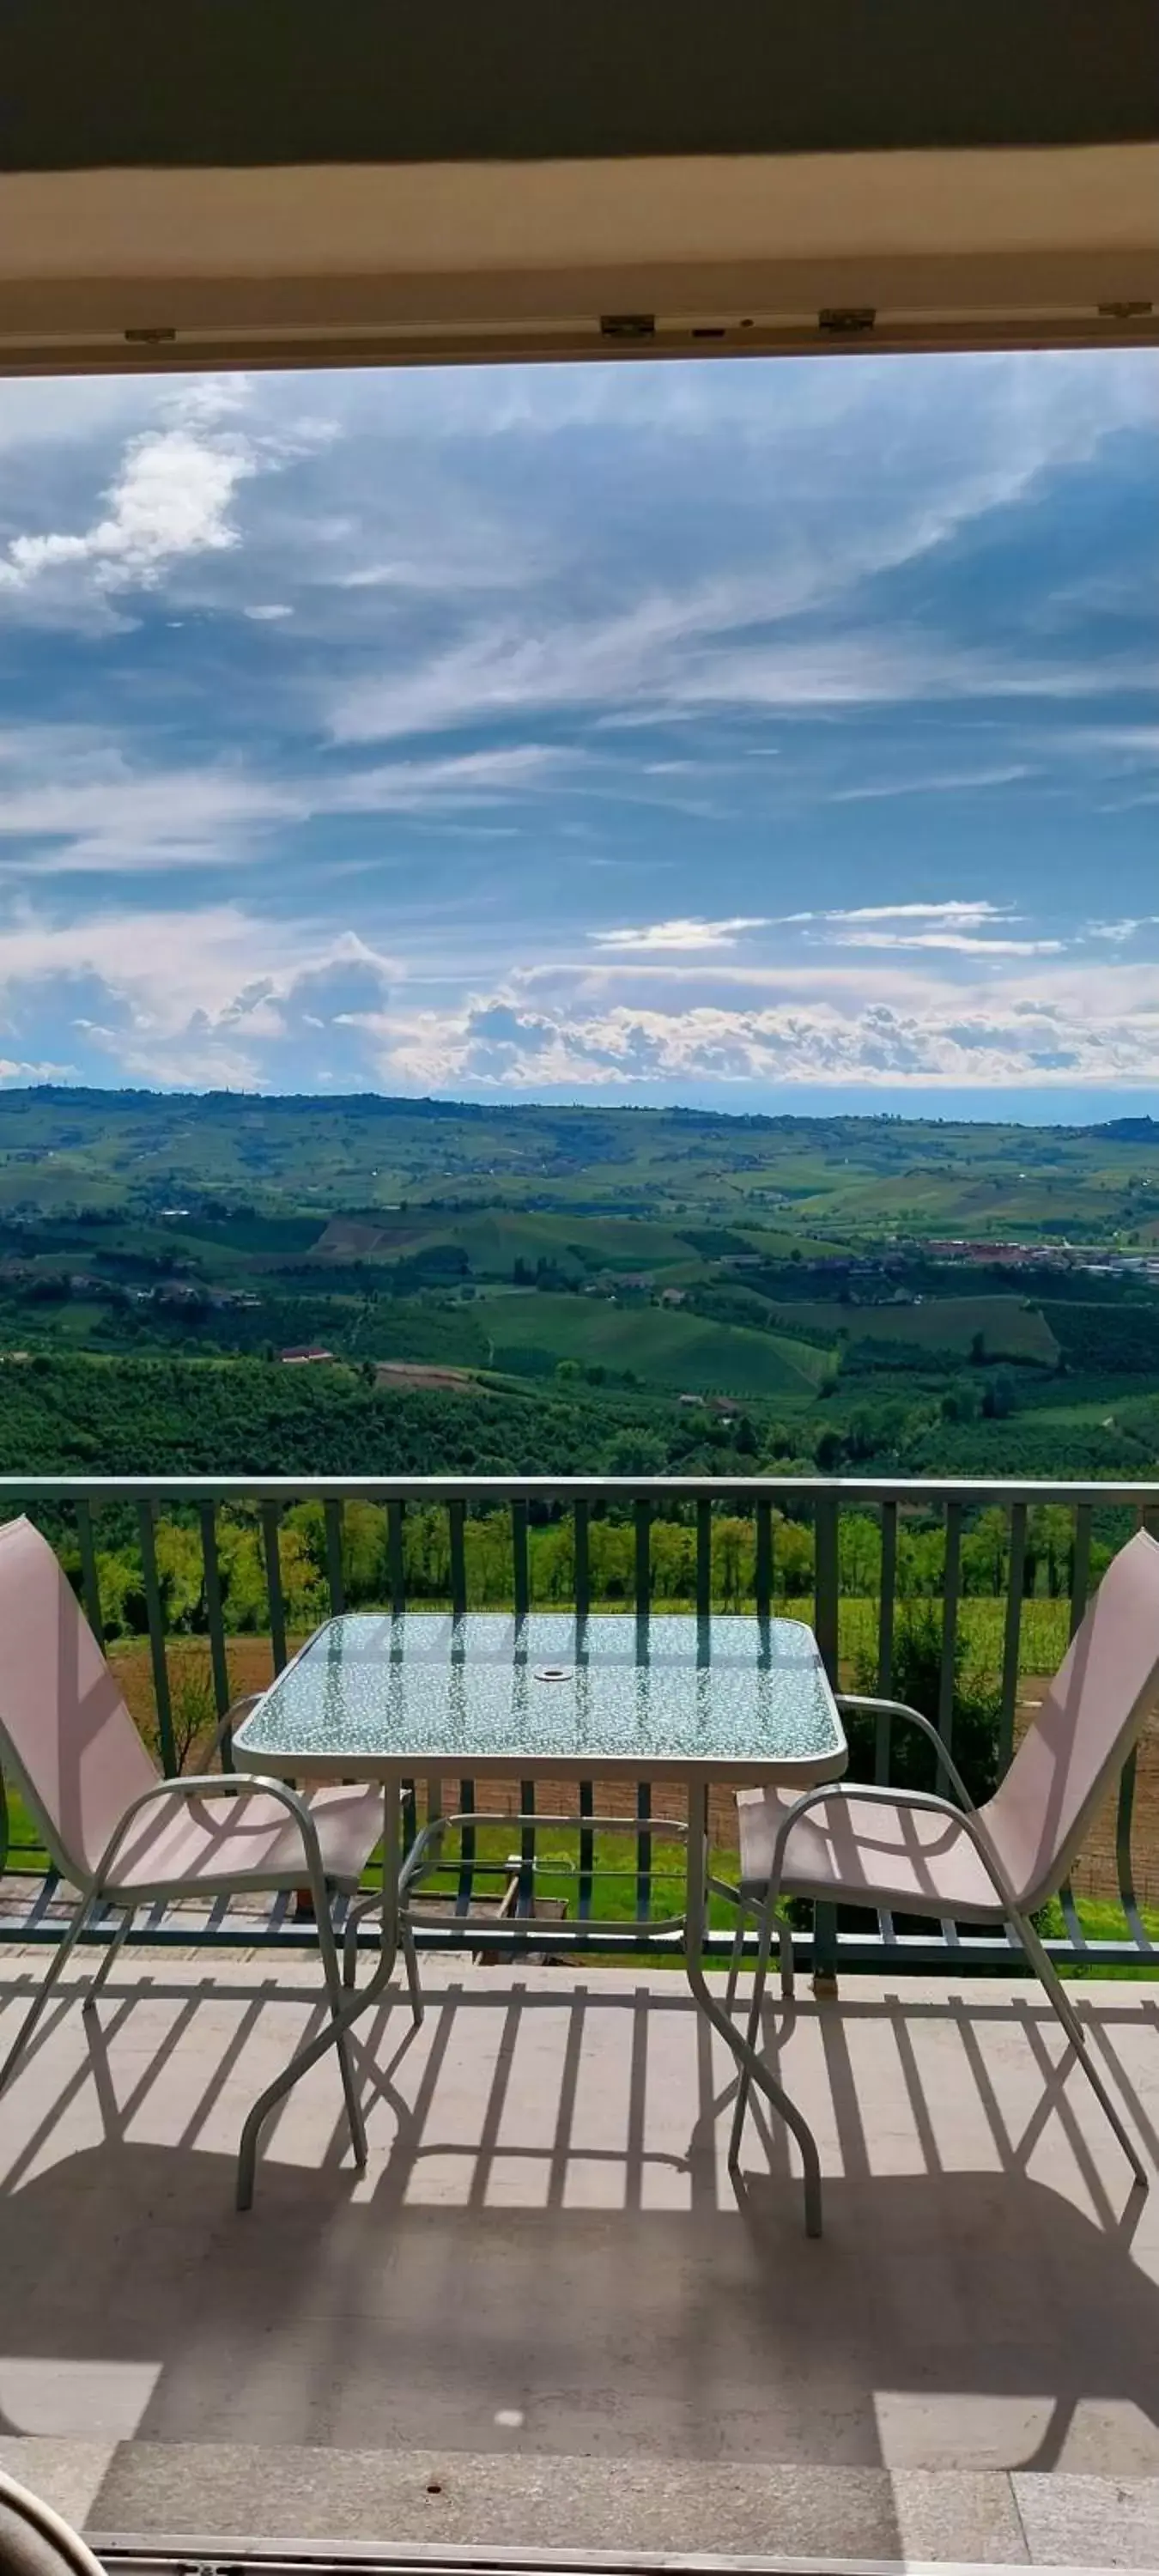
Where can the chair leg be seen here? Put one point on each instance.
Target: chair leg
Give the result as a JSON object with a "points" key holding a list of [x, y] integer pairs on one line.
{"points": [[112, 1952], [60, 1955], [752, 2036], [1056, 1994], [338, 2010], [356, 1913], [784, 1961], [414, 1982]]}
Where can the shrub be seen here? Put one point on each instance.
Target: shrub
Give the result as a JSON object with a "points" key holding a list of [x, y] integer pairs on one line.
{"points": [[917, 1678]]}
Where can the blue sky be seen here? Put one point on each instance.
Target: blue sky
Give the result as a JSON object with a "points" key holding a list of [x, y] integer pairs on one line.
{"points": [[771, 734]]}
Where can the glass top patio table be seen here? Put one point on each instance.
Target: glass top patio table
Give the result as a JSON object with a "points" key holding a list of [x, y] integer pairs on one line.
{"points": [[671, 1696]]}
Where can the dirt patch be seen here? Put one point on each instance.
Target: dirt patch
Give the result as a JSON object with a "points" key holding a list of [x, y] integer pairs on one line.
{"points": [[421, 1373], [345, 1235]]}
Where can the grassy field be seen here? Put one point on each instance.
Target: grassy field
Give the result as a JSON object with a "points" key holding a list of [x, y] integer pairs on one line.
{"points": [[669, 1348], [494, 1239], [1009, 1329]]}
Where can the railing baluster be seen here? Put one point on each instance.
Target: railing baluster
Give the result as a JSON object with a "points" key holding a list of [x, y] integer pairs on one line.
{"points": [[643, 1851], [208, 1518], [1079, 1587], [467, 1841], [704, 1560], [1124, 1859], [1081, 1566], [156, 1623], [587, 1848], [643, 1521], [764, 1557], [950, 1623], [581, 1532], [527, 1849], [886, 1606], [394, 1556], [643, 1516], [456, 1526], [271, 1550], [825, 1545], [1012, 1641], [333, 1518], [887, 1600], [520, 1562], [90, 1580]]}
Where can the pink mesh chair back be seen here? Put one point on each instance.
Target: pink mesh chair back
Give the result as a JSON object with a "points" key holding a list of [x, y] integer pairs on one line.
{"points": [[1076, 1746], [66, 1736]]}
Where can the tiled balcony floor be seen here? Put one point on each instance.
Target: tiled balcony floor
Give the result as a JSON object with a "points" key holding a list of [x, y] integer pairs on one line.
{"points": [[542, 2317]]}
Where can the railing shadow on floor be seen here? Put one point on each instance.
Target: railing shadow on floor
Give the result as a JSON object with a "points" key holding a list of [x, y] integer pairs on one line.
{"points": [[547, 2210]]}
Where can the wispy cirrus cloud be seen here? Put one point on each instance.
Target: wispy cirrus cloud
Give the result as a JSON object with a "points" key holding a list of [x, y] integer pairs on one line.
{"points": [[665, 936], [953, 782], [979, 929], [961, 943], [77, 805], [954, 912]]}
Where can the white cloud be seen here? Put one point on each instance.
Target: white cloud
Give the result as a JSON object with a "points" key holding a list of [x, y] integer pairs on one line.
{"points": [[11, 1071], [266, 614], [967, 928], [940, 1036], [171, 498], [173, 998], [959, 941], [680, 934], [956, 913]]}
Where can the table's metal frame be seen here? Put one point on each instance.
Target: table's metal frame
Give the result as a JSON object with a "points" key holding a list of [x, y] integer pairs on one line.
{"points": [[400, 1872]]}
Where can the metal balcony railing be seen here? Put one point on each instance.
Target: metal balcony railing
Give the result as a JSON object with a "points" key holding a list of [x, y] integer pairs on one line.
{"points": [[80, 1512]]}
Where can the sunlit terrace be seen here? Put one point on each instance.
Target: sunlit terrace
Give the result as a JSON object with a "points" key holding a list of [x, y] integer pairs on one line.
{"points": [[548, 2311]]}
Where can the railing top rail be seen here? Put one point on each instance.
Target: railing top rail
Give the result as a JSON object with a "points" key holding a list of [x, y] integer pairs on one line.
{"points": [[915, 1490]]}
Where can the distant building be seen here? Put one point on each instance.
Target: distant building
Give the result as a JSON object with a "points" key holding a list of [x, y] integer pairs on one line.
{"points": [[303, 1359]]}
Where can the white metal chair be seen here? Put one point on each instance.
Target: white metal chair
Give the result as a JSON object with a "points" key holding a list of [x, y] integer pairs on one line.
{"points": [[124, 1837], [35, 2541], [910, 1852]]}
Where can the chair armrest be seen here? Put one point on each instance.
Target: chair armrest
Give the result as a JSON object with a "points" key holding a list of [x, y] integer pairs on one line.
{"points": [[852, 1703], [235, 1716]]}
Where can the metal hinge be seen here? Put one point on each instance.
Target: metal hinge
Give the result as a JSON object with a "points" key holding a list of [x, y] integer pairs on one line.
{"points": [[844, 321]]}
